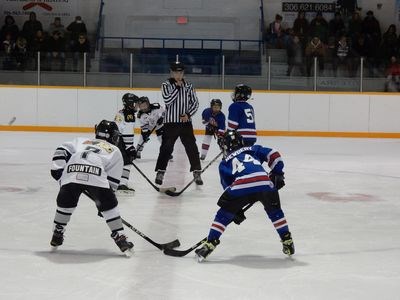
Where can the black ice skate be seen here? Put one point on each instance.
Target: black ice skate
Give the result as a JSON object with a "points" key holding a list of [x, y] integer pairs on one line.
{"points": [[160, 177], [122, 242], [124, 189], [287, 243], [139, 155], [208, 247], [57, 238], [197, 177]]}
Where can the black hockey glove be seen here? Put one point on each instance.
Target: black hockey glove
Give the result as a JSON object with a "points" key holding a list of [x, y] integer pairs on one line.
{"points": [[160, 121], [239, 217], [146, 136], [278, 180], [131, 151]]}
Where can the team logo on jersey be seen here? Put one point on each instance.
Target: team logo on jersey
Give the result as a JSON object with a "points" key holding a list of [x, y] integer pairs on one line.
{"points": [[84, 169], [130, 117]]}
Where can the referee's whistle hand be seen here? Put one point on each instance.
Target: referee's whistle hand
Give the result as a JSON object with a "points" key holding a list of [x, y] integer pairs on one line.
{"points": [[184, 118]]}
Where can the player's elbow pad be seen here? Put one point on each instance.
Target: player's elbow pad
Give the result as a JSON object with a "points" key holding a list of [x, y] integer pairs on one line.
{"points": [[56, 174]]}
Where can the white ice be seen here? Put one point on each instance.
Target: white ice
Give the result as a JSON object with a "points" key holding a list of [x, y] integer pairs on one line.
{"points": [[341, 199]]}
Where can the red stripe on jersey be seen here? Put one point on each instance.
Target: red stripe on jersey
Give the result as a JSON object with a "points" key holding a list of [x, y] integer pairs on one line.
{"points": [[251, 179], [218, 226], [231, 125], [272, 158], [244, 132], [280, 223]]}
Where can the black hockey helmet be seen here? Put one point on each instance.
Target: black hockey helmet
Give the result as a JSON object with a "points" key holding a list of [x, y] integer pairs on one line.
{"points": [[216, 102], [107, 130], [129, 100], [231, 141], [177, 66], [143, 100], [242, 93]]}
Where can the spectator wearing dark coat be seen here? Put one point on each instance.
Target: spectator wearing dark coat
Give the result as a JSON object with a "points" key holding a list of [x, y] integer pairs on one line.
{"points": [[301, 27], [295, 55], [56, 51], [78, 50], [319, 28], [336, 26], [76, 28], [30, 27], [9, 27]]}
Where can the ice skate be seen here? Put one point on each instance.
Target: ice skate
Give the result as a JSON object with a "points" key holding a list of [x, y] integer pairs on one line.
{"points": [[124, 189], [57, 238], [124, 245], [197, 177], [208, 247], [287, 243], [160, 177]]}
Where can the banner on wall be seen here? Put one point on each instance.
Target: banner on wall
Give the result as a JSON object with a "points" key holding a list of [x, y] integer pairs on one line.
{"points": [[46, 10]]}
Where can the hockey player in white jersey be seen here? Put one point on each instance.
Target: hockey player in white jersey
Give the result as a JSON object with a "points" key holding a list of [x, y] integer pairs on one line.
{"points": [[151, 116], [125, 120], [93, 167]]}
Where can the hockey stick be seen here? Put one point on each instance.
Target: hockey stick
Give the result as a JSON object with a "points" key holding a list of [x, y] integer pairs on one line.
{"points": [[171, 189], [174, 194], [139, 147], [172, 244], [162, 247], [180, 253]]}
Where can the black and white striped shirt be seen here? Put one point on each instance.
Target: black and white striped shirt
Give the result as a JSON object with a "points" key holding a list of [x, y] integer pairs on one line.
{"points": [[178, 100]]}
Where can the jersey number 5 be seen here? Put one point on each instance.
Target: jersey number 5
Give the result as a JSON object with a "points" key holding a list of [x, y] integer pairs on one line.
{"points": [[238, 166], [249, 115]]}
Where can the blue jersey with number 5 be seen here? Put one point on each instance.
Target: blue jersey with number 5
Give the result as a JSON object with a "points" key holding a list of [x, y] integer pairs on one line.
{"points": [[241, 118], [242, 173]]}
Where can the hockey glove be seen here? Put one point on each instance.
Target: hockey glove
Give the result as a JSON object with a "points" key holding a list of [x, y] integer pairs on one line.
{"points": [[146, 136], [160, 121], [239, 217], [278, 180], [131, 151]]}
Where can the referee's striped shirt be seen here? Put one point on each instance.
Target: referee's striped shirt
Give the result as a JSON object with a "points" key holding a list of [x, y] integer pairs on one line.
{"points": [[178, 100]]}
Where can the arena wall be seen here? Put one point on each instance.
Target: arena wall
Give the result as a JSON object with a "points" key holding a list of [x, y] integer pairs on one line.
{"points": [[277, 113]]}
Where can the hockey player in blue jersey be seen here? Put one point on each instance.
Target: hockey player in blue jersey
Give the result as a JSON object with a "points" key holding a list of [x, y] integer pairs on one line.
{"points": [[214, 120], [245, 181], [241, 115]]}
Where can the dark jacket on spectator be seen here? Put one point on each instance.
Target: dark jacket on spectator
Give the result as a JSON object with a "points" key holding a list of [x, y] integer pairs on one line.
{"points": [[77, 27], [9, 27], [31, 27]]}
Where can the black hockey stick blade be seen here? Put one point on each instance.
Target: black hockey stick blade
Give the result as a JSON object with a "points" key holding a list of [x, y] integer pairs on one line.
{"points": [[175, 194], [181, 253], [165, 246], [158, 189]]}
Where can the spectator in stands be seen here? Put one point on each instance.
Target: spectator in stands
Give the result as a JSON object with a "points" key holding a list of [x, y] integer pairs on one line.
{"points": [[295, 55], [39, 44], [315, 48], [31, 26], [301, 28], [319, 28], [348, 7], [9, 27], [355, 27], [336, 26], [389, 45], [81, 47], [276, 36], [343, 56], [362, 49], [372, 32], [392, 83], [76, 28], [57, 26], [6, 50], [56, 51], [20, 53]]}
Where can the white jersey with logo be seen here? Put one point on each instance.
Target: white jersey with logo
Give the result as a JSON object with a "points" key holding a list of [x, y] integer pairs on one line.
{"points": [[126, 125], [91, 162], [148, 120]]}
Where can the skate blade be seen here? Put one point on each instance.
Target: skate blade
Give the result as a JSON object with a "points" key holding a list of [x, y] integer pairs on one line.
{"points": [[125, 193], [53, 248], [128, 253], [199, 258]]}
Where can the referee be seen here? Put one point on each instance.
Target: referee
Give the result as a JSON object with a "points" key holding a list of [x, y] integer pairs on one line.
{"points": [[181, 104]]}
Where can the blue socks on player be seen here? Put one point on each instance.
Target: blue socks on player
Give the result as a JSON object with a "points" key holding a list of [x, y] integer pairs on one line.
{"points": [[278, 219], [221, 220]]}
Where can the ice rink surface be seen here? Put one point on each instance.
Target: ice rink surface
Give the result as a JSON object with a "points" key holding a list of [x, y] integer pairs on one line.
{"points": [[341, 200]]}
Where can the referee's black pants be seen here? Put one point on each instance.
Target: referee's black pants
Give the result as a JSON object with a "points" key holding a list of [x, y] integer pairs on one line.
{"points": [[171, 133]]}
